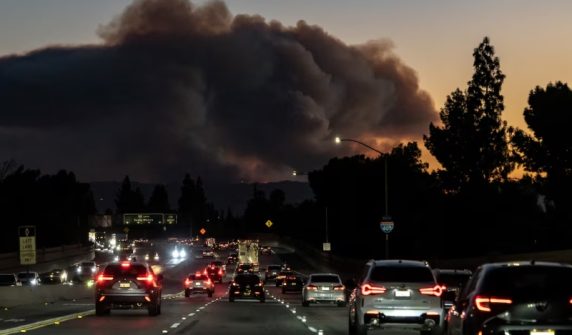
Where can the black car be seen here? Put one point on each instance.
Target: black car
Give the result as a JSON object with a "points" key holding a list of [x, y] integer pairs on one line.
{"points": [[9, 279], [56, 276], [128, 285], [232, 259], [281, 276], [452, 281], [245, 268], [531, 298], [271, 272], [292, 283], [215, 273], [246, 285]]}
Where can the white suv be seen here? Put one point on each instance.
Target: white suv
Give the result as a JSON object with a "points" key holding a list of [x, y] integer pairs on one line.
{"points": [[396, 294]]}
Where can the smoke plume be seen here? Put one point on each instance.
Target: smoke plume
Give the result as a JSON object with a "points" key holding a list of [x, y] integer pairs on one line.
{"points": [[175, 87]]}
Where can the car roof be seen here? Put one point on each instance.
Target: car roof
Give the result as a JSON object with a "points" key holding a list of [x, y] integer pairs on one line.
{"points": [[523, 263], [324, 274], [398, 262], [453, 271]]}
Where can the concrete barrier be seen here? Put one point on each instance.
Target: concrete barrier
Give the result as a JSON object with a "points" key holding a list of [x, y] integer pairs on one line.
{"points": [[24, 295]]}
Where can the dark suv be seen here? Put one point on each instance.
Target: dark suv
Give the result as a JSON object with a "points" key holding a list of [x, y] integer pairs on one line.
{"points": [[452, 280], [128, 285], [246, 285], [530, 298], [396, 294]]}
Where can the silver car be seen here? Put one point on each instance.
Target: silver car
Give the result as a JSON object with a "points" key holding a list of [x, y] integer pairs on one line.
{"points": [[324, 288], [396, 294]]}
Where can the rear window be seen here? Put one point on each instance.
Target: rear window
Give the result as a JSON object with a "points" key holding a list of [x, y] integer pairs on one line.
{"points": [[248, 279], [453, 279], [325, 279], [131, 270], [528, 281], [402, 274], [198, 277]]}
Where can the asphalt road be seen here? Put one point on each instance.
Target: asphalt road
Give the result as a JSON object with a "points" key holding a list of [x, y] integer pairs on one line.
{"points": [[280, 314]]}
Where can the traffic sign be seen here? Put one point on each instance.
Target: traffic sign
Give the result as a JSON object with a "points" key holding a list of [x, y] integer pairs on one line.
{"points": [[386, 225], [27, 236], [327, 246], [269, 223], [203, 231]]}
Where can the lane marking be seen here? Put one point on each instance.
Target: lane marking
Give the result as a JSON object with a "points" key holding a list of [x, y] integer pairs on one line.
{"points": [[175, 325], [44, 323]]}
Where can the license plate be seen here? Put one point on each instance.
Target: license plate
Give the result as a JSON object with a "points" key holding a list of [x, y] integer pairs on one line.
{"points": [[542, 332], [197, 284], [293, 284], [402, 293], [325, 288], [124, 285]]}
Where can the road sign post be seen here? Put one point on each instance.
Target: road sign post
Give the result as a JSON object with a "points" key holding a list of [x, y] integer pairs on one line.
{"points": [[386, 225], [27, 235]]}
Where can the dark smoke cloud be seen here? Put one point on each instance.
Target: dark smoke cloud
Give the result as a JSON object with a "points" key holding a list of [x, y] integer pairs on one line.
{"points": [[176, 87]]}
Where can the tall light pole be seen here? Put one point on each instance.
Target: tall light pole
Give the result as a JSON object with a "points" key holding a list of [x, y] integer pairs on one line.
{"points": [[386, 224], [298, 173]]}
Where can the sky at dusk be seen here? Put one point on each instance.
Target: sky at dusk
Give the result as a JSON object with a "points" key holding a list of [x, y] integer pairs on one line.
{"points": [[408, 56]]}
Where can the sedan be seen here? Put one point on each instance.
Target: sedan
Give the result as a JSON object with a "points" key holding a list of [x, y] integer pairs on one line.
{"points": [[324, 288]]}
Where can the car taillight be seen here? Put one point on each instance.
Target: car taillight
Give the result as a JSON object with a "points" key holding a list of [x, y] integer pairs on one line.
{"points": [[435, 290], [220, 272], [149, 279], [339, 288], [103, 278], [125, 264], [234, 284], [485, 304], [312, 287], [207, 282], [367, 289], [188, 282]]}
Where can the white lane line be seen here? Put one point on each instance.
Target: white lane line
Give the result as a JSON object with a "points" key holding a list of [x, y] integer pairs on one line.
{"points": [[191, 314], [313, 330]]}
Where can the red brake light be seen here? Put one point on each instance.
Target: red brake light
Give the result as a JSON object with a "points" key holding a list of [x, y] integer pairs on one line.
{"points": [[125, 264], [148, 278], [339, 288], [101, 278], [367, 289], [311, 287], [188, 282], [484, 303], [220, 272], [436, 290]]}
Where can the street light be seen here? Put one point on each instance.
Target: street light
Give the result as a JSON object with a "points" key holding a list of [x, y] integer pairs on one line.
{"points": [[298, 173], [386, 217]]}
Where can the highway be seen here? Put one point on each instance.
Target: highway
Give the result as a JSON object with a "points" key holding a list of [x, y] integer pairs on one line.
{"points": [[280, 314]]}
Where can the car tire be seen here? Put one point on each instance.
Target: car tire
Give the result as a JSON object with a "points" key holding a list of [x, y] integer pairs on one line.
{"points": [[230, 299], [305, 303], [210, 294], [153, 309], [101, 309], [187, 294], [342, 304]]}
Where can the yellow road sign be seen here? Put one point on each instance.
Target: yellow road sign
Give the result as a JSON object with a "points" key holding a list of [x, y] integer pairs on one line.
{"points": [[27, 245], [203, 231], [269, 223]]}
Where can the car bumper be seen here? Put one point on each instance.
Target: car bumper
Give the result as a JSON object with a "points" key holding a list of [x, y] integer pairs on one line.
{"points": [[325, 297], [414, 319], [127, 300], [197, 290]]}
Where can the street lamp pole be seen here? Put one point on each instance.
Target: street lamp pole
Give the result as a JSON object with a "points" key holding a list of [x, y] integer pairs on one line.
{"points": [[298, 173], [386, 185]]}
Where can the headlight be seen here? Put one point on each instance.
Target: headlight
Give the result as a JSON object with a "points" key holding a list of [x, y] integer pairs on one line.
{"points": [[34, 281], [175, 253], [116, 258], [118, 248], [156, 257], [146, 257], [78, 270], [183, 253], [93, 269]]}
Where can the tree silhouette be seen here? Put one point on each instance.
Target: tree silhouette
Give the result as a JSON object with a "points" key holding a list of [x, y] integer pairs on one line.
{"points": [[193, 207], [549, 148], [159, 200], [128, 200], [472, 144]]}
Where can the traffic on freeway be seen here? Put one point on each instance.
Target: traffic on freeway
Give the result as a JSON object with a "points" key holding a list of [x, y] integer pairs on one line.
{"points": [[193, 294]]}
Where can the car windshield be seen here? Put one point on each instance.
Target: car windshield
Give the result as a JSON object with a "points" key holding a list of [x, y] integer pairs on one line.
{"points": [[198, 277], [325, 279], [529, 281], [402, 274]]}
